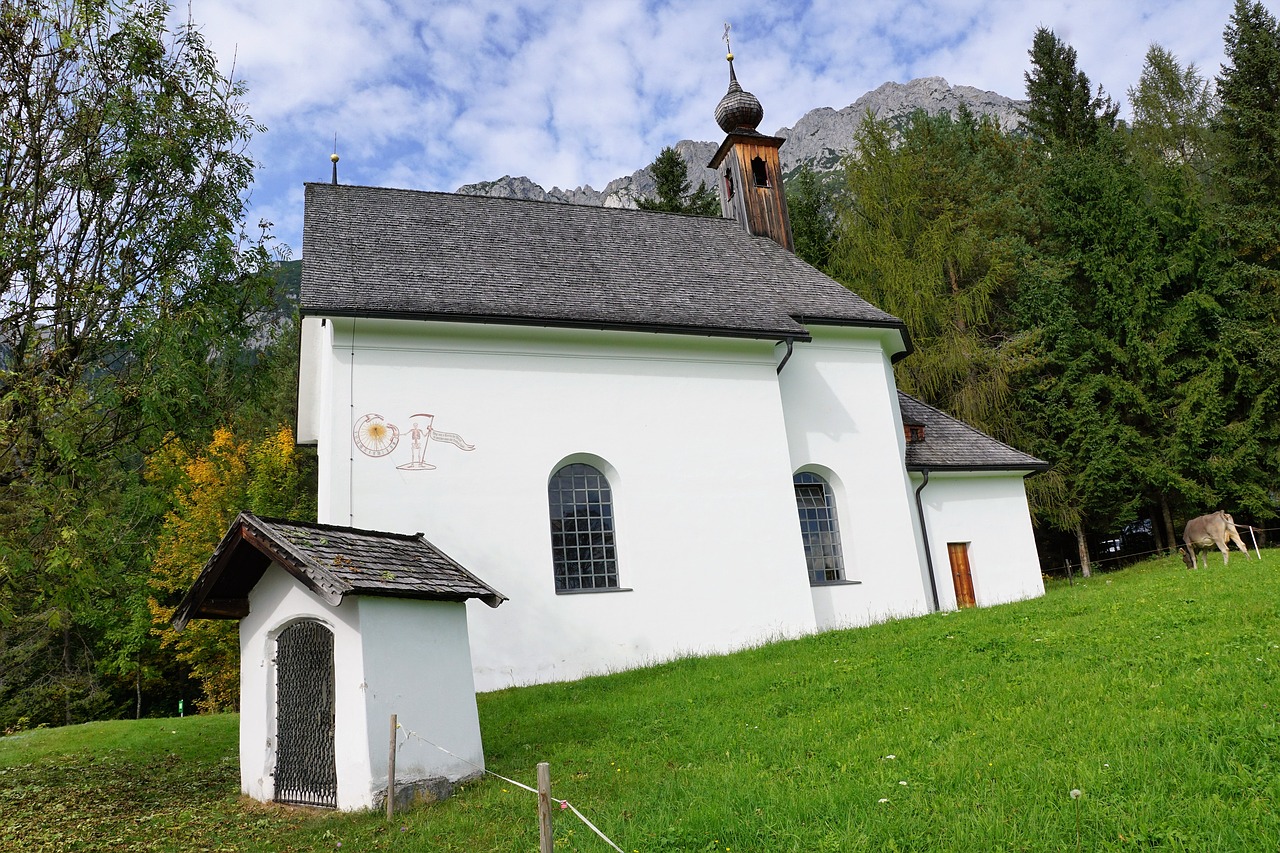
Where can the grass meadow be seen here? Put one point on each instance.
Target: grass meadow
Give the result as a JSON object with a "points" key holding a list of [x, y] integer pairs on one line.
{"points": [[1152, 692]]}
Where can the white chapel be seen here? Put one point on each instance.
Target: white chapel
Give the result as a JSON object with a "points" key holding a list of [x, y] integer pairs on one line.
{"points": [[657, 435]]}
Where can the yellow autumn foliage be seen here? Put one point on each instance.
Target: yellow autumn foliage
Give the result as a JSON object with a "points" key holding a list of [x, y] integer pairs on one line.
{"points": [[208, 487]]}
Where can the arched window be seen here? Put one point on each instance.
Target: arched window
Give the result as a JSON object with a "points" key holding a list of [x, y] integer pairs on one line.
{"points": [[818, 528], [582, 548]]}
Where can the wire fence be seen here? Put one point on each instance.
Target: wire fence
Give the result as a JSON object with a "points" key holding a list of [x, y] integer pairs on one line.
{"points": [[564, 804], [1133, 556]]}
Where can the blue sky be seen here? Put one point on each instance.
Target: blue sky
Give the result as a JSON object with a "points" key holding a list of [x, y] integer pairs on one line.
{"points": [[433, 95]]}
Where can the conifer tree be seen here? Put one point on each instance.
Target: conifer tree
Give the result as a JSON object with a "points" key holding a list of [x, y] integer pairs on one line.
{"points": [[809, 203], [1246, 187], [1248, 129], [675, 193], [1062, 108], [1174, 152], [1096, 303]]}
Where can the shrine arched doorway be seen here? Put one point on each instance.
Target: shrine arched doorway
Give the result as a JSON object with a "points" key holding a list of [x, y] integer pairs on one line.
{"points": [[306, 770]]}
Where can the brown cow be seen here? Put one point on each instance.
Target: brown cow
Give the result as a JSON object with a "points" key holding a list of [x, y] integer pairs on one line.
{"points": [[1212, 529]]}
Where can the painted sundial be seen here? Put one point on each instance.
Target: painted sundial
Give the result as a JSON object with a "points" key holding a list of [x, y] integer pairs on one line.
{"points": [[375, 436]]}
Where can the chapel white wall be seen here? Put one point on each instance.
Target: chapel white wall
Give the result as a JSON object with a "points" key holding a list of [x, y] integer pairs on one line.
{"points": [[989, 511], [315, 342], [843, 422], [690, 429]]}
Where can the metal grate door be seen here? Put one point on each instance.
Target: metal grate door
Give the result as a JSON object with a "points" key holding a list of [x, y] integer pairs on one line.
{"points": [[306, 773]]}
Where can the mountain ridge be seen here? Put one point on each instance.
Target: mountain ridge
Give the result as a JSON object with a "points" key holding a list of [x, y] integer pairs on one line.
{"points": [[819, 139]]}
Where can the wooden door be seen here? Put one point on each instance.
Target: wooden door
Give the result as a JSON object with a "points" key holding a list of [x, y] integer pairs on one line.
{"points": [[961, 577]]}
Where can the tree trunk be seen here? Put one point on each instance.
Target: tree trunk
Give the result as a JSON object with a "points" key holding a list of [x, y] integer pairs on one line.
{"points": [[1083, 545], [66, 666], [1168, 523], [1158, 534]]}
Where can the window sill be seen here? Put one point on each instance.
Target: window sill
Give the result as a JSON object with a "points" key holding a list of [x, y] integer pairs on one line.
{"points": [[835, 583], [594, 590]]}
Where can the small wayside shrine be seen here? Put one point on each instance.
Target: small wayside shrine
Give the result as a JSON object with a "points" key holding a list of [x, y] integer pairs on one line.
{"points": [[339, 629]]}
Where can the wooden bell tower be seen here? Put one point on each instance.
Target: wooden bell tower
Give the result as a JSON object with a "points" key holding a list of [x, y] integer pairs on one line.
{"points": [[749, 167]]}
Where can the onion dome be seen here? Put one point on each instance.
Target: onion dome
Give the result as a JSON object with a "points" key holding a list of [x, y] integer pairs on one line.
{"points": [[738, 110]]}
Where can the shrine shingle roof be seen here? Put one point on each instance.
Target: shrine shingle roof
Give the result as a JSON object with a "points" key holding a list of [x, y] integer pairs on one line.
{"points": [[330, 560], [423, 255], [950, 444]]}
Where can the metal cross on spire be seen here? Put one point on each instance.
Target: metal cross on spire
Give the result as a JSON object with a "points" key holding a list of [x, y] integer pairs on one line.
{"points": [[726, 39]]}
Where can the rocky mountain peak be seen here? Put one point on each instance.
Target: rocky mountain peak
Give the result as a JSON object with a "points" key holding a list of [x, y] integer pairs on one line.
{"points": [[820, 139]]}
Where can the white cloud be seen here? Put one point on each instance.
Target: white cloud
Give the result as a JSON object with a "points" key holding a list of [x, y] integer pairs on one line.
{"points": [[437, 94]]}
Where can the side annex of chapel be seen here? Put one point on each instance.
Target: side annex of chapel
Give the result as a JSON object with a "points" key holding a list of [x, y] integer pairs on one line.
{"points": [[659, 435]]}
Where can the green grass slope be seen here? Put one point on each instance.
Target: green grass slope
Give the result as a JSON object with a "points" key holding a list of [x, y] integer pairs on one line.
{"points": [[1150, 691]]}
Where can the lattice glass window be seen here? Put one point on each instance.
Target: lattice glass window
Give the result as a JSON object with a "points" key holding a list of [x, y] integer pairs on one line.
{"points": [[582, 548], [819, 529]]}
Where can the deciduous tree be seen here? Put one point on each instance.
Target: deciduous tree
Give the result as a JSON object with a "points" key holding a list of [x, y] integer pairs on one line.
{"points": [[1172, 110], [126, 285], [209, 487], [122, 155], [932, 225]]}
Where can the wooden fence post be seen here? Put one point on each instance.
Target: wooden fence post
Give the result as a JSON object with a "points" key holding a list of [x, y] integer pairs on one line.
{"points": [[391, 772], [545, 839]]}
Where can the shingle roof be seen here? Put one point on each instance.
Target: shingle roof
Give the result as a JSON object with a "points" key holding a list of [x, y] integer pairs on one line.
{"points": [[953, 445], [331, 561], [422, 255]]}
